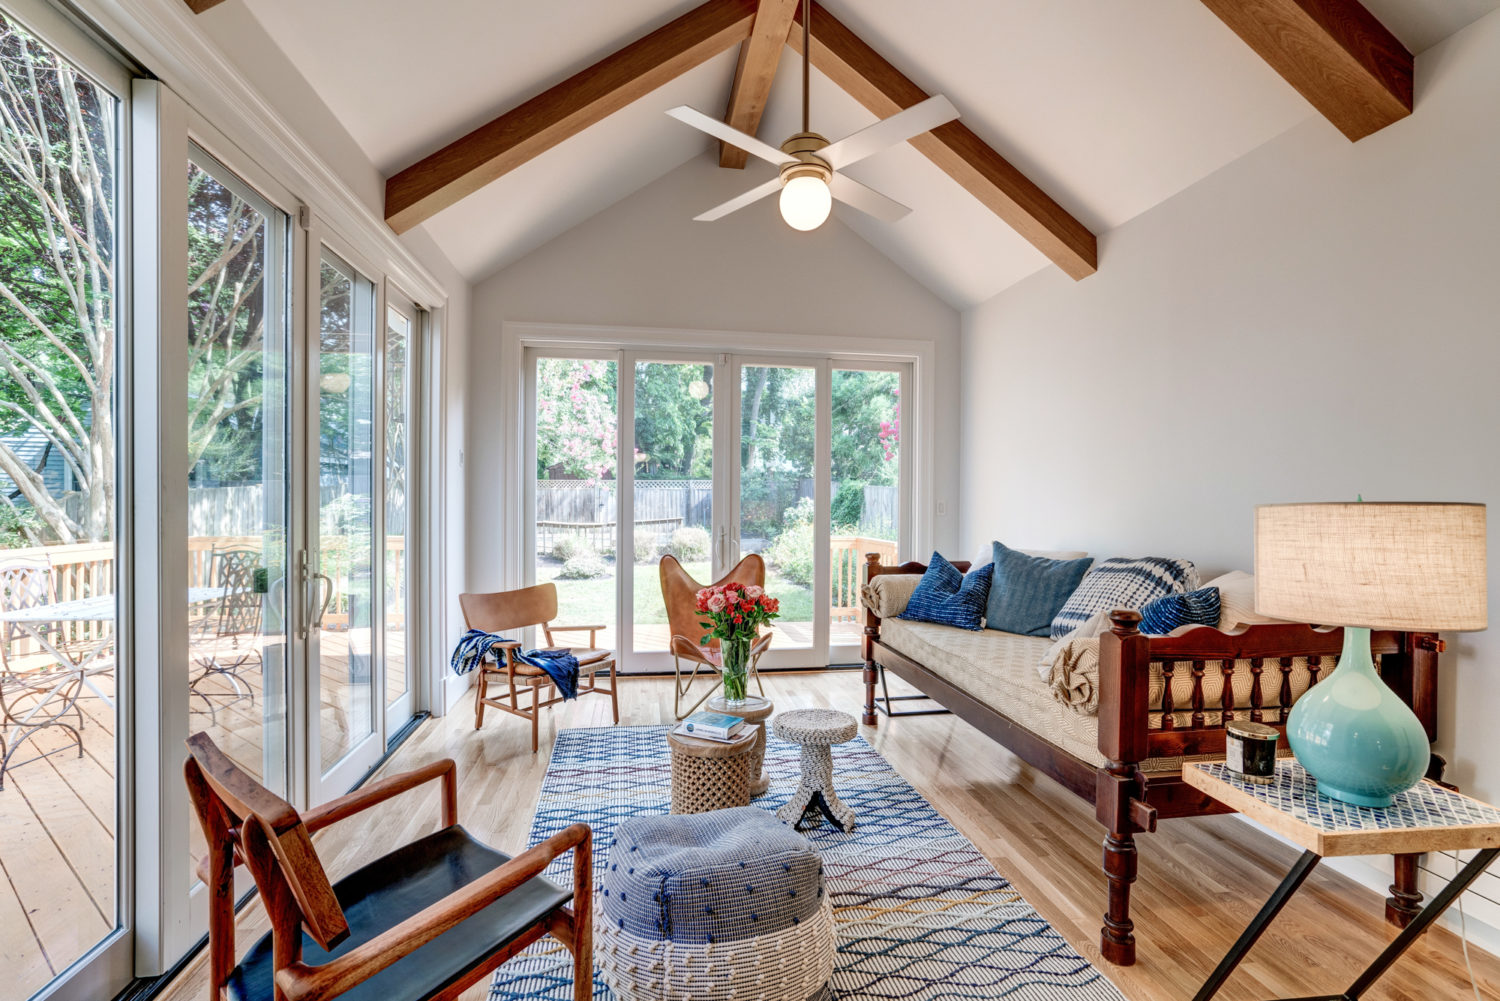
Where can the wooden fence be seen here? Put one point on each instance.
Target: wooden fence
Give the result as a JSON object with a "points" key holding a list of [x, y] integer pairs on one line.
{"points": [[581, 503]]}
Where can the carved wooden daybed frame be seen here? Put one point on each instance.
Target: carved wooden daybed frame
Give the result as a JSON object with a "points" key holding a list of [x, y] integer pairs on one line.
{"points": [[1128, 800]]}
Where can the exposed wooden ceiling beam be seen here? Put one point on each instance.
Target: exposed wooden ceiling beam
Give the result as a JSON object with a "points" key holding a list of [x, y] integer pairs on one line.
{"points": [[759, 56], [1335, 52], [464, 166], [199, 6], [988, 176]]}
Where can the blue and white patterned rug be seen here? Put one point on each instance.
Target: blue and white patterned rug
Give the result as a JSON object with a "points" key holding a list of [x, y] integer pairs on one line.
{"points": [[921, 915]]}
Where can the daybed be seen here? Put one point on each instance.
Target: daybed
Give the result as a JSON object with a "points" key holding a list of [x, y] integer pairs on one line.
{"points": [[1160, 700]]}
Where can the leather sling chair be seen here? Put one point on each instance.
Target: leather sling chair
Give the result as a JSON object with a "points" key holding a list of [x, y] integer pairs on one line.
{"points": [[422, 923], [680, 593]]}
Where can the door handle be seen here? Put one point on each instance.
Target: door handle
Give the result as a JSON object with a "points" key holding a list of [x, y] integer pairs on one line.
{"points": [[325, 584]]}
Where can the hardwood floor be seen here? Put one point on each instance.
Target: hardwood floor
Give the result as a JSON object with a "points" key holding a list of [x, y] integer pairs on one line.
{"points": [[1200, 879]]}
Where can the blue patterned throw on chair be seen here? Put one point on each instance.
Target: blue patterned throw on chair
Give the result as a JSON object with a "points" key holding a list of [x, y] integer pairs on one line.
{"points": [[716, 906], [949, 597]]}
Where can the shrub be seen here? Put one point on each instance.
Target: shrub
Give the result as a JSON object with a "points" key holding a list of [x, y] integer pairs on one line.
{"points": [[645, 545], [690, 545], [585, 566], [792, 554], [565, 547], [848, 504], [800, 513]]}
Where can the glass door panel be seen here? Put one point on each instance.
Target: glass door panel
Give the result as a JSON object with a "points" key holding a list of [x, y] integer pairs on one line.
{"points": [[865, 489], [398, 413], [237, 474], [778, 411], [60, 761], [574, 526], [673, 486], [345, 655]]}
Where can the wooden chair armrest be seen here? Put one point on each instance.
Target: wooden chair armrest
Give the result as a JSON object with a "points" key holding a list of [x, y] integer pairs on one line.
{"points": [[566, 629], [379, 791], [301, 982]]}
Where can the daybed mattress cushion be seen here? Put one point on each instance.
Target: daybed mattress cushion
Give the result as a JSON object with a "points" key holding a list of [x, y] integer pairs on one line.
{"points": [[998, 669]]}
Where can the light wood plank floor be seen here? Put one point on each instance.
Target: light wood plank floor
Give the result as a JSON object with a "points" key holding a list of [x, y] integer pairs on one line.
{"points": [[1199, 882]]}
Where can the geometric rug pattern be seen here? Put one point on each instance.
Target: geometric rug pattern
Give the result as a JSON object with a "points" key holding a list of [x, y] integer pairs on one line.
{"points": [[921, 915]]}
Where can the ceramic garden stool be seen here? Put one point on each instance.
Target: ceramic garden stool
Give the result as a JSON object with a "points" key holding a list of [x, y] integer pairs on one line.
{"points": [[721, 906], [817, 730], [755, 712]]}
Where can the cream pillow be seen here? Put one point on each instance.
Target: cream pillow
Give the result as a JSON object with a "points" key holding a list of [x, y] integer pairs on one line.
{"points": [[887, 595], [1237, 601]]}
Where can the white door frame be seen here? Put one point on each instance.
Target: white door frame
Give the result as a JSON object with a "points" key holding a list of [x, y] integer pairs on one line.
{"points": [[523, 343]]}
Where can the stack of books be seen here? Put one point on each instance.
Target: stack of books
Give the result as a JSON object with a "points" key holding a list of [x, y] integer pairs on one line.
{"points": [[721, 727]]}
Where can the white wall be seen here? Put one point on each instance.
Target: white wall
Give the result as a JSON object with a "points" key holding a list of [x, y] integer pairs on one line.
{"points": [[1317, 320], [645, 263]]}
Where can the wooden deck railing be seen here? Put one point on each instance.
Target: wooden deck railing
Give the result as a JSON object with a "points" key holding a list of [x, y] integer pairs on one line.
{"points": [[848, 571]]}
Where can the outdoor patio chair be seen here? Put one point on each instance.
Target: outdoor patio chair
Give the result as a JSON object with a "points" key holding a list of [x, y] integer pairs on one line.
{"points": [[228, 638], [679, 591], [423, 922], [43, 691], [512, 611]]}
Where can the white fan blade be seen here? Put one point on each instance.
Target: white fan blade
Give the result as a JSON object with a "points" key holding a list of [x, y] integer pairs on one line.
{"points": [[735, 204], [867, 200], [889, 132], [733, 136]]}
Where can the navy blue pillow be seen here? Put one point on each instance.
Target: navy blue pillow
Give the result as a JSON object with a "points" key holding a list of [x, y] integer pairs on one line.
{"points": [[1029, 591], [1200, 607], [950, 598]]}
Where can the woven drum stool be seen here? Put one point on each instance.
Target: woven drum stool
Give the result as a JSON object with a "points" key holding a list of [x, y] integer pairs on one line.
{"points": [[817, 730], [754, 712], [711, 775], [722, 906]]}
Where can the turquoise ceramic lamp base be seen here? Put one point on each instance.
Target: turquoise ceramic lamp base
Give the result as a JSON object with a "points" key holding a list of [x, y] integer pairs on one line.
{"points": [[1350, 731]]}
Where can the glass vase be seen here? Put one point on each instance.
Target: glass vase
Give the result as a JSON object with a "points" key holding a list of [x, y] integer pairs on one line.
{"points": [[736, 669]]}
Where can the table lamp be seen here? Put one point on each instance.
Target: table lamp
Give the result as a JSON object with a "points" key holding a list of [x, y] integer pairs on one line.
{"points": [[1363, 566]]}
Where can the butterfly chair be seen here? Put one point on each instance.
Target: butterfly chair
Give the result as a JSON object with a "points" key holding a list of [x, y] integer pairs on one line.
{"points": [[510, 611], [422, 923], [680, 593]]}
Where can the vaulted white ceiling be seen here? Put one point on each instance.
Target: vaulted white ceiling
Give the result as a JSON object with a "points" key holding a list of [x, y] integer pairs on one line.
{"points": [[1111, 107]]}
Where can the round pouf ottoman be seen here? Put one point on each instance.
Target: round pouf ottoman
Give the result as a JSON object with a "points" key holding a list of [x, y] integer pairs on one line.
{"points": [[720, 906], [816, 731]]}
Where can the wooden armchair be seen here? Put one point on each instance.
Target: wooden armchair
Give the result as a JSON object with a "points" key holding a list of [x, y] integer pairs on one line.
{"points": [[423, 923], [679, 591], [504, 611]]}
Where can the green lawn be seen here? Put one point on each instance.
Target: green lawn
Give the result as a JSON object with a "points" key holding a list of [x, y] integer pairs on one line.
{"points": [[590, 600]]}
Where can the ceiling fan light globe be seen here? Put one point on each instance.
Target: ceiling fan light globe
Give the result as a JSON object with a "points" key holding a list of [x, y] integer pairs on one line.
{"points": [[806, 202]]}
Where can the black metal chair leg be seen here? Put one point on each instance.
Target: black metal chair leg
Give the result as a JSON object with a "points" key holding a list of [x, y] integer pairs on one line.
{"points": [[1248, 938]]}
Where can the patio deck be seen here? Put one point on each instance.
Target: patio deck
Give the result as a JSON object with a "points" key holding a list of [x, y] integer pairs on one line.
{"points": [[57, 823]]}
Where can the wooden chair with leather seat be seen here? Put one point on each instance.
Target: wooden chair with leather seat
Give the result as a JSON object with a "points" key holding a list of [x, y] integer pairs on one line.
{"points": [[679, 591], [423, 923], [507, 611]]}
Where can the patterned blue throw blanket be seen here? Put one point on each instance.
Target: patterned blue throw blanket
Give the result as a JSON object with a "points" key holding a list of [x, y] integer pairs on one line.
{"points": [[560, 665]]}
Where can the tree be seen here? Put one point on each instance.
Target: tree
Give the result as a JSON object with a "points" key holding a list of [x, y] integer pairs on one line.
{"points": [[58, 147], [575, 418]]}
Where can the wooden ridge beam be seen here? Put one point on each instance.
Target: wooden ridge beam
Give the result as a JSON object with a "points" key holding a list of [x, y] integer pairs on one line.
{"points": [[759, 56], [199, 6], [1334, 52], [465, 165], [988, 176]]}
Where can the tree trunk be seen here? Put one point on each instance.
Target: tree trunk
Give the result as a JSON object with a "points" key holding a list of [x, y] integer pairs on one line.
{"points": [[754, 422]]}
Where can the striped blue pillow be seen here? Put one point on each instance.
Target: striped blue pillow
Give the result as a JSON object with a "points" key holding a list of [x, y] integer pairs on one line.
{"points": [[950, 598], [1124, 583], [1200, 607]]}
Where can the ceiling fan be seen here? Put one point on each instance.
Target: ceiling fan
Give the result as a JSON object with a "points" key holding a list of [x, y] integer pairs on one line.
{"points": [[809, 163]]}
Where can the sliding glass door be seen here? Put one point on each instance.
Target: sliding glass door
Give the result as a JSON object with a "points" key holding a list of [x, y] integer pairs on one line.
{"points": [[65, 681], [814, 483]]}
